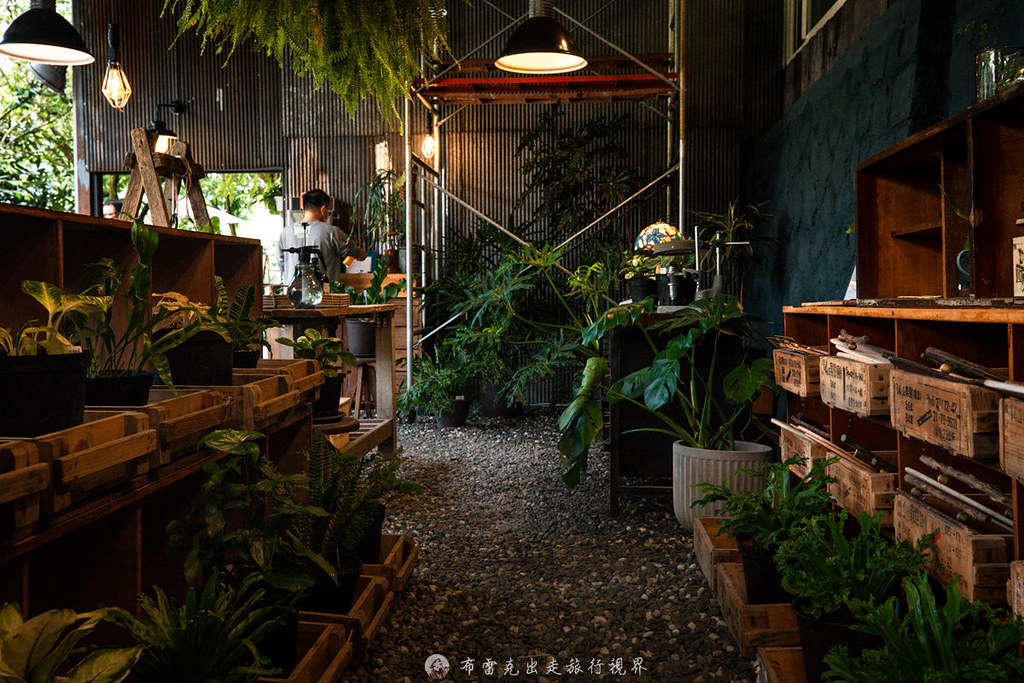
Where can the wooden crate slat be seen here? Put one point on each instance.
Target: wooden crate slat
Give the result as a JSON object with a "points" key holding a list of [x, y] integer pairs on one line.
{"points": [[324, 651], [782, 664], [857, 490], [398, 557], [793, 444], [797, 372], [961, 418], [958, 550], [753, 626], [1011, 437], [712, 548], [854, 386], [23, 484], [371, 605]]}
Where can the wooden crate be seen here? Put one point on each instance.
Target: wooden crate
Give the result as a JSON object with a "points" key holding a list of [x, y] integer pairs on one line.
{"points": [[782, 664], [753, 625], [1011, 437], [255, 402], [305, 375], [23, 479], [981, 560], [324, 651], [371, 605], [961, 418], [1015, 588], [798, 372], [794, 444], [398, 556], [711, 549], [860, 490], [854, 386], [94, 456], [179, 421]]}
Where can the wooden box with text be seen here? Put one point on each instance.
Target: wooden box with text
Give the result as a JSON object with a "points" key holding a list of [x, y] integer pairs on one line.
{"points": [[797, 372], [1011, 437], [855, 386], [859, 489], [793, 444], [980, 559], [961, 418]]}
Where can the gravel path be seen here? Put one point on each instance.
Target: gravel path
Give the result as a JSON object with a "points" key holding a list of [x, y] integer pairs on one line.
{"points": [[515, 566]]}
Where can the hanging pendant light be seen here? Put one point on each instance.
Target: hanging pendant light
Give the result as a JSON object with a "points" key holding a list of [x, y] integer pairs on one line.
{"points": [[429, 147], [540, 45], [41, 35], [116, 87]]}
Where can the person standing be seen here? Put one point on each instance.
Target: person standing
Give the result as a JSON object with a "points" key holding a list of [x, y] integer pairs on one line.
{"points": [[314, 230]]}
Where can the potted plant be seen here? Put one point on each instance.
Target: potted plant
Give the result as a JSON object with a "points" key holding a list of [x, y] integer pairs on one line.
{"points": [[42, 374], [361, 332], [384, 214], [833, 576], [215, 634], [247, 334], [951, 639], [638, 272], [736, 224], [689, 373], [38, 648], [201, 353], [330, 355], [762, 516], [441, 386]]}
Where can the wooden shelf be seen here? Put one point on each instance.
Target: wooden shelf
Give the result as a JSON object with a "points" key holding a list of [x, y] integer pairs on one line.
{"points": [[921, 229]]}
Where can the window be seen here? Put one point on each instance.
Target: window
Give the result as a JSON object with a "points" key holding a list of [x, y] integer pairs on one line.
{"points": [[804, 18]]}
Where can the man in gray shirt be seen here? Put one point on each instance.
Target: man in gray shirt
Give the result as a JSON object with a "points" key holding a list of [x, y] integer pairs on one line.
{"points": [[314, 230]]}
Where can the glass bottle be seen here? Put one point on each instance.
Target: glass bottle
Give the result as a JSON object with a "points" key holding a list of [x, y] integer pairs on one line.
{"points": [[306, 290]]}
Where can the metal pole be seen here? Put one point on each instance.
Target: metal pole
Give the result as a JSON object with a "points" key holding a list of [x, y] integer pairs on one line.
{"points": [[409, 294], [681, 28]]}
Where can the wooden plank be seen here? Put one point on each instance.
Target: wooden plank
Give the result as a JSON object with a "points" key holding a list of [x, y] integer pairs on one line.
{"points": [[793, 444], [797, 372], [398, 557], [324, 651], [712, 549], [981, 561], [1011, 437], [857, 490], [782, 664], [960, 418], [856, 387], [372, 604], [1015, 588], [753, 626]]}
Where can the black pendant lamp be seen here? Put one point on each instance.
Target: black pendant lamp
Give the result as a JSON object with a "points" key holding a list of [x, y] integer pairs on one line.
{"points": [[42, 36], [540, 45]]}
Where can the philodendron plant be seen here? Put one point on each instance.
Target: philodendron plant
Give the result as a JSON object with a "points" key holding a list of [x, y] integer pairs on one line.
{"points": [[328, 352], [34, 339]]}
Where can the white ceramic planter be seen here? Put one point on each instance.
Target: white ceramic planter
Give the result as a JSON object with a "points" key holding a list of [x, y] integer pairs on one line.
{"points": [[691, 466]]}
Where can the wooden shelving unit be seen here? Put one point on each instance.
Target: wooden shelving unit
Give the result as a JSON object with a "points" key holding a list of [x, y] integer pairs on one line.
{"points": [[956, 185]]}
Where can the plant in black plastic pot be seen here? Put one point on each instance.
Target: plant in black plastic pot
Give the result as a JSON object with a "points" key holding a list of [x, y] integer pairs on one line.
{"points": [[486, 363], [763, 518], [200, 351], [248, 334], [638, 272], [215, 634], [361, 332], [944, 639], [330, 355], [833, 575], [441, 386], [352, 491], [42, 373]]}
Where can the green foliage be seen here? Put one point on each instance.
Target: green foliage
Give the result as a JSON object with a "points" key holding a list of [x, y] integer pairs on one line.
{"points": [[348, 488], [360, 47], [384, 212], [33, 651], [637, 266], [735, 224], [582, 421], [214, 635], [376, 292], [328, 352], [770, 515], [235, 315], [836, 575], [701, 328], [959, 641], [245, 517], [32, 338], [439, 379], [37, 159]]}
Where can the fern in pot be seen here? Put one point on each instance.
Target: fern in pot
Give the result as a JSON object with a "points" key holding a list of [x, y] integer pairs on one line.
{"points": [[440, 386], [762, 518], [833, 574], [361, 333]]}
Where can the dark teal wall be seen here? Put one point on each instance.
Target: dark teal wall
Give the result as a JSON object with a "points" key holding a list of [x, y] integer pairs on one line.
{"points": [[913, 68]]}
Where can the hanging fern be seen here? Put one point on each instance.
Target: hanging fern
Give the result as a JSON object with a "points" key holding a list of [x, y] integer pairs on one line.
{"points": [[360, 47]]}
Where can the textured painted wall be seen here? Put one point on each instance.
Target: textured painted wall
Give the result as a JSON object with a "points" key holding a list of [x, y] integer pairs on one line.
{"points": [[913, 68]]}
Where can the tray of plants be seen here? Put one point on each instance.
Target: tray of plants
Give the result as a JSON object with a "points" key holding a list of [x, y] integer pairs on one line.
{"points": [[398, 556], [95, 455], [179, 421], [23, 478]]}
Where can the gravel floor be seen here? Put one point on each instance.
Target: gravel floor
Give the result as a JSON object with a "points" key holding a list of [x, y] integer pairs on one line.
{"points": [[513, 566]]}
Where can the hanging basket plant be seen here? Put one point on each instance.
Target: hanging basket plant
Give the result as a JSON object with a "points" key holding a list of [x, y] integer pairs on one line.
{"points": [[359, 47]]}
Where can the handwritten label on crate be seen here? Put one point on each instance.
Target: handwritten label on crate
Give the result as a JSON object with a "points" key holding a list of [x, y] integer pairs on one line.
{"points": [[858, 387], [796, 372], [952, 415]]}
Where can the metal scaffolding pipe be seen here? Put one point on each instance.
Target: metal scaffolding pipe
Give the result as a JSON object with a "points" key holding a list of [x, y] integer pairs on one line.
{"points": [[408, 244]]}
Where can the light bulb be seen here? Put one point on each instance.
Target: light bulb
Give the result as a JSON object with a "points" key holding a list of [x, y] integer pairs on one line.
{"points": [[429, 147], [116, 87], [163, 144]]}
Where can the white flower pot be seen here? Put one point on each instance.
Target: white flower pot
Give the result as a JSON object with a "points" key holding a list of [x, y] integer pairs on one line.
{"points": [[691, 466]]}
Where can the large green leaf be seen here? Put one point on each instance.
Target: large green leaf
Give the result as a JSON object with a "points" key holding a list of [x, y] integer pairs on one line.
{"points": [[233, 442], [581, 422], [617, 316], [106, 666], [743, 382]]}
